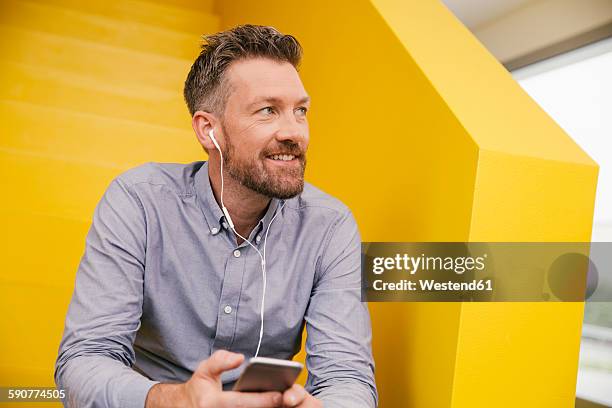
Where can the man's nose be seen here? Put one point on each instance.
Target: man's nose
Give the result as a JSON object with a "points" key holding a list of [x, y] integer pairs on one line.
{"points": [[291, 130]]}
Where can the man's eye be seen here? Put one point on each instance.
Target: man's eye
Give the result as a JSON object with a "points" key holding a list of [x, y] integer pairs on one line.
{"points": [[302, 110], [268, 110]]}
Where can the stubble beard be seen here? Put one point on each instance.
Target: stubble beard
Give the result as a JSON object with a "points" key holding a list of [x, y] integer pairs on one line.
{"points": [[253, 174]]}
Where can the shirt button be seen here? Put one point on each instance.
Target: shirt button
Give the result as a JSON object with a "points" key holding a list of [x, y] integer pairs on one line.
{"points": [[227, 309], [237, 253], [258, 239], [214, 230]]}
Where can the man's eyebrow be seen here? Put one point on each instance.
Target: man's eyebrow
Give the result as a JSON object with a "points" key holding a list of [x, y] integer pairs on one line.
{"points": [[304, 100], [277, 101]]}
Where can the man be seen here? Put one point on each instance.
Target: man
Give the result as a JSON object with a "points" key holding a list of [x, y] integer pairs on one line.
{"points": [[168, 294]]}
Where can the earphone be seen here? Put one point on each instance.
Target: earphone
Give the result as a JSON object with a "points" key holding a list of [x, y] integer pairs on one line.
{"points": [[262, 257]]}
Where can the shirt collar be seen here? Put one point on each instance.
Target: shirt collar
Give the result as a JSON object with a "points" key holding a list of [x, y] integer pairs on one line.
{"points": [[265, 221], [212, 211]]}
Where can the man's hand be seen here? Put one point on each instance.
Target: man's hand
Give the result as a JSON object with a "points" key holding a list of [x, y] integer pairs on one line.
{"points": [[204, 388], [296, 396]]}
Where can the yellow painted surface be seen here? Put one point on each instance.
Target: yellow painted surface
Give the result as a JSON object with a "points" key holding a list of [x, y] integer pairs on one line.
{"points": [[413, 125], [426, 137], [83, 26], [524, 344], [474, 84], [87, 90]]}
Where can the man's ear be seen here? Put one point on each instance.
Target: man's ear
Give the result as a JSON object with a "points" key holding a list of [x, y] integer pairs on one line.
{"points": [[202, 123]]}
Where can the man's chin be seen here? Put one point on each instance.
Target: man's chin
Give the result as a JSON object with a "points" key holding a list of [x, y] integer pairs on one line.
{"points": [[285, 192]]}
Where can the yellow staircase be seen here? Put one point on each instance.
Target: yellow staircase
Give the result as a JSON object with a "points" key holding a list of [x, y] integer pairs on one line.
{"points": [[87, 90]]}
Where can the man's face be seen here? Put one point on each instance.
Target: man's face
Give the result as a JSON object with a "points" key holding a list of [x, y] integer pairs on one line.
{"points": [[265, 128]]}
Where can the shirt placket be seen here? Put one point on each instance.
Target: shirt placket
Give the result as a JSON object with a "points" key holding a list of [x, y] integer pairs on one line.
{"points": [[235, 268], [228, 301]]}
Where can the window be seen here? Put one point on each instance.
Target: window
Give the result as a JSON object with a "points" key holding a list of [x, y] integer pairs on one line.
{"points": [[575, 89]]}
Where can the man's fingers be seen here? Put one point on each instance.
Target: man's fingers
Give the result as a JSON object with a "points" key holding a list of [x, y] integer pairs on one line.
{"points": [[251, 399], [294, 396], [219, 362]]}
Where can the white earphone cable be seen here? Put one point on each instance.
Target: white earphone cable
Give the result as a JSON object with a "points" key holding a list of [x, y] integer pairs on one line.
{"points": [[262, 257]]}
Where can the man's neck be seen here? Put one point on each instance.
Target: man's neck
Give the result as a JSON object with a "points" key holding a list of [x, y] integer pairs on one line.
{"points": [[245, 206]]}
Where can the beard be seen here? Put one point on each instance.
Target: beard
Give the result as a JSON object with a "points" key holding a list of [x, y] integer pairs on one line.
{"points": [[271, 182]]}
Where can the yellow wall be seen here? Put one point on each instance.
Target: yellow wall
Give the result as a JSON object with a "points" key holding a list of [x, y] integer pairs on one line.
{"points": [[427, 138]]}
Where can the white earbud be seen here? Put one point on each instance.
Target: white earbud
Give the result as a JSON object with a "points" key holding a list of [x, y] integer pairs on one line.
{"points": [[211, 134], [262, 257], [225, 212]]}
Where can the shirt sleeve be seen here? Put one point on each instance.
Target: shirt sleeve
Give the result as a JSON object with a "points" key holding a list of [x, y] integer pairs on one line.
{"points": [[338, 343], [96, 352]]}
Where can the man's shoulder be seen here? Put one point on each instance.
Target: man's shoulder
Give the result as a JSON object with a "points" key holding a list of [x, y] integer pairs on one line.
{"points": [[175, 176]]}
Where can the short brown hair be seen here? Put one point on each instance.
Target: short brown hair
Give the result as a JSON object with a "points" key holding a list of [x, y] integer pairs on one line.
{"points": [[205, 86]]}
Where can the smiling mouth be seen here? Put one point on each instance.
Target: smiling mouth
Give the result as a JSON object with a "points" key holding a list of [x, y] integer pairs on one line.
{"points": [[282, 157]]}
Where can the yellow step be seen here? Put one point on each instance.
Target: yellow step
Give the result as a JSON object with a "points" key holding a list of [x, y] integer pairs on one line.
{"points": [[96, 140], [97, 28], [200, 5], [37, 85], [104, 62], [155, 13], [92, 82], [43, 185], [53, 187], [58, 244], [33, 318]]}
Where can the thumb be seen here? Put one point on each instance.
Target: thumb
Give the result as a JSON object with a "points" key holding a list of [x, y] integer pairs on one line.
{"points": [[217, 363]]}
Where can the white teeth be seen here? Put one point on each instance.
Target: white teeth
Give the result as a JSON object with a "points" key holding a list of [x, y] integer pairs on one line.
{"points": [[283, 157]]}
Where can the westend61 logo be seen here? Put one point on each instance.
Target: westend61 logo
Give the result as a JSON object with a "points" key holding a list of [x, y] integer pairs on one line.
{"points": [[413, 264], [484, 271]]}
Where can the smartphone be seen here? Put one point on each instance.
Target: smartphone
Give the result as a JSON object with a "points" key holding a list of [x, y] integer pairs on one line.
{"points": [[268, 374]]}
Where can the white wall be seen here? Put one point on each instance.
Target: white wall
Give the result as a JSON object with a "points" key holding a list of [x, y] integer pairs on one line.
{"points": [[577, 94]]}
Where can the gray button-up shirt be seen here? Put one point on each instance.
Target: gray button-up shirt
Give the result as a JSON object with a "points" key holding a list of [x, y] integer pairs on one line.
{"points": [[163, 284]]}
